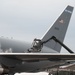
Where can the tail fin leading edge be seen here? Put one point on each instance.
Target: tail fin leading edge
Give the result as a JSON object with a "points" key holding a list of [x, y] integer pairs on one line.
{"points": [[58, 29]]}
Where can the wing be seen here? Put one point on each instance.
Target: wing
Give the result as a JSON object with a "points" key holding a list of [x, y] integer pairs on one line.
{"points": [[39, 56]]}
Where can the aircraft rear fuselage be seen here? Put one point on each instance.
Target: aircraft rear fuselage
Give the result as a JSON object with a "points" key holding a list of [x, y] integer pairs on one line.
{"points": [[11, 46]]}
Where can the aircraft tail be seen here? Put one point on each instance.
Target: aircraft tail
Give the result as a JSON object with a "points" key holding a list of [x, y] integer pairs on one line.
{"points": [[58, 29]]}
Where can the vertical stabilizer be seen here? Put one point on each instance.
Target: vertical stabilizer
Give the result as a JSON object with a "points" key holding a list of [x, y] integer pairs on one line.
{"points": [[58, 29]]}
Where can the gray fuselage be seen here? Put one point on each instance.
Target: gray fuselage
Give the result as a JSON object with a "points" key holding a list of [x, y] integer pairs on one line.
{"points": [[13, 46]]}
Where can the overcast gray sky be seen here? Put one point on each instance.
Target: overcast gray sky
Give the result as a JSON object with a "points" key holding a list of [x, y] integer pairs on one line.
{"points": [[28, 19]]}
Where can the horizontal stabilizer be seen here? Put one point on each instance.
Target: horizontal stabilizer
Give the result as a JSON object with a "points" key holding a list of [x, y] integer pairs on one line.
{"points": [[38, 56]]}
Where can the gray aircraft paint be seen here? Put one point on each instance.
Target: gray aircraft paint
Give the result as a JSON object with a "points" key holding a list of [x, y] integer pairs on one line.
{"points": [[13, 46], [20, 47], [58, 29]]}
